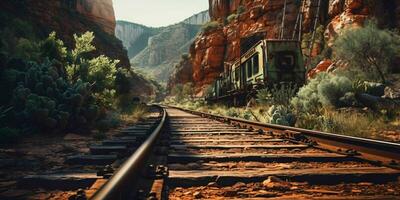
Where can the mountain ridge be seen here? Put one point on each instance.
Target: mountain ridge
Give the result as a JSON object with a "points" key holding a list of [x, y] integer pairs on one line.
{"points": [[150, 48]]}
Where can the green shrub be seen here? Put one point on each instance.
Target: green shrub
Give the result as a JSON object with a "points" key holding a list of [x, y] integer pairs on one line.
{"points": [[368, 49], [27, 50], [324, 90], [247, 114], [281, 115], [210, 26], [232, 17], [44, 97], [277, 95], [232, 112], [332, 88]]}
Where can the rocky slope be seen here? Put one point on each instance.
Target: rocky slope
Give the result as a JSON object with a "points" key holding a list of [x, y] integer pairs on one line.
{"points": [[134, 36], [158, 50], [164, 50], [67, 17], [250, 21]]}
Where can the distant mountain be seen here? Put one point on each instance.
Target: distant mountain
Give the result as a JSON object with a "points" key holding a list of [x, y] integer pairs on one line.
{"points": [[198, 19], [134, 36], [158, 50]]}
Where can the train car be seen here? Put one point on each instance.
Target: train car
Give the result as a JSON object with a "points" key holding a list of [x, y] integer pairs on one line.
{"points": [[267, 63]]}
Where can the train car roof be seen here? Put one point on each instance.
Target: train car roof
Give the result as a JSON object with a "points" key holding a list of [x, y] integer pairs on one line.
{"points": [[267, 41]]}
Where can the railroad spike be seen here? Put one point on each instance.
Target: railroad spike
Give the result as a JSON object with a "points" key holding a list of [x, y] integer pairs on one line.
{"points": [[80, 195], [106, 172]]}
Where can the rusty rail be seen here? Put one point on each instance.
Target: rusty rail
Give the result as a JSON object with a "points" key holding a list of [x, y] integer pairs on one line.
{"points": [[123, 180], [386, 153]]}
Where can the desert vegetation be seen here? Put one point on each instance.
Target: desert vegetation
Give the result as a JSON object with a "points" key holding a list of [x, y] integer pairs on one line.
{"points": [[49, 88], [352, 99]]}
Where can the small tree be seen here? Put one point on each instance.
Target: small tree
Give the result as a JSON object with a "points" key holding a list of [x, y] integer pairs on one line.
{"points": [[369, 49]]}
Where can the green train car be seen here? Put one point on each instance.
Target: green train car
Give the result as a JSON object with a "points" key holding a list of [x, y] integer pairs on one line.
{"points": [[267, 63]]}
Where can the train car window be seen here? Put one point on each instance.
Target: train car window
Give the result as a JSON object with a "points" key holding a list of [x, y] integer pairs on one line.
{"points": [[237, 74], [255, 64], [285, 60], [249, 68]]}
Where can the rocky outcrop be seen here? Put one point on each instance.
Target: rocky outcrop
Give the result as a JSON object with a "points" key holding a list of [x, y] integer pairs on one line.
{"points": [[182, 73], [198, 19], [250, 21], [99, 11]]}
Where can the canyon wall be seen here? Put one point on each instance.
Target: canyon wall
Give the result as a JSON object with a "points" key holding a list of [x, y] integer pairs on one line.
{"points": [[134, 36], [100, 12], [238, 21], [69, 17]]}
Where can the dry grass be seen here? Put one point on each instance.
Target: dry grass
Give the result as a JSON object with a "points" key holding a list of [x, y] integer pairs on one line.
{"points": [[137, 113], [348, 121]]}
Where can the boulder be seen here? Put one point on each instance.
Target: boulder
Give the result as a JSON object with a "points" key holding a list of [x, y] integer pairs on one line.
{"points": [[323, 66], [391, 93]]}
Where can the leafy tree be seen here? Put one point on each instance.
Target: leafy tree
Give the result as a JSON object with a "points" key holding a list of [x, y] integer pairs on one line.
{"points": [[368, 49]]}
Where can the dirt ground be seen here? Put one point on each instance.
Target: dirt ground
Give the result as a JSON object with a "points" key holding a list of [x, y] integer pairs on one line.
{"points": [[43, 154]]}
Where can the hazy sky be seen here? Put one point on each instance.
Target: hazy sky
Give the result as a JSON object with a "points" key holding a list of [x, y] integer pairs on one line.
{"points": [[157, 12]]}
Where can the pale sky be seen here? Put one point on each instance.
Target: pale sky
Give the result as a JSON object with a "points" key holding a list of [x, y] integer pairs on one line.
{"points": [[157, 13]]}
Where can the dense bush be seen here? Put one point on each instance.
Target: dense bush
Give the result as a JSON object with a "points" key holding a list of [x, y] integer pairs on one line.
{"points": [[52, 88], [368, 49], [324, 90], [281, 115], [277, 95]]}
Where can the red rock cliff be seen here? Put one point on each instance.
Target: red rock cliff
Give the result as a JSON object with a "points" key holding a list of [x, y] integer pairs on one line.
{"points": [[262, 19], [100, 12], [68, 17]]}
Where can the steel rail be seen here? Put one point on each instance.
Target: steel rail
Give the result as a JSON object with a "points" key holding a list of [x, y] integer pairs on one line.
{"points": [[124, 178], [376, 150]]}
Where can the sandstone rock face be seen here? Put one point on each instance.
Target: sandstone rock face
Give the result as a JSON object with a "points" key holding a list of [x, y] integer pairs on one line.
{"points": [[99, 11], [323, 66], [263, 17], [182, 73], [345, 14]]}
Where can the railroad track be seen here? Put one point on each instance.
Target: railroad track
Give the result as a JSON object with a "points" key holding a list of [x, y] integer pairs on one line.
{"points": [[193, 155]]}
